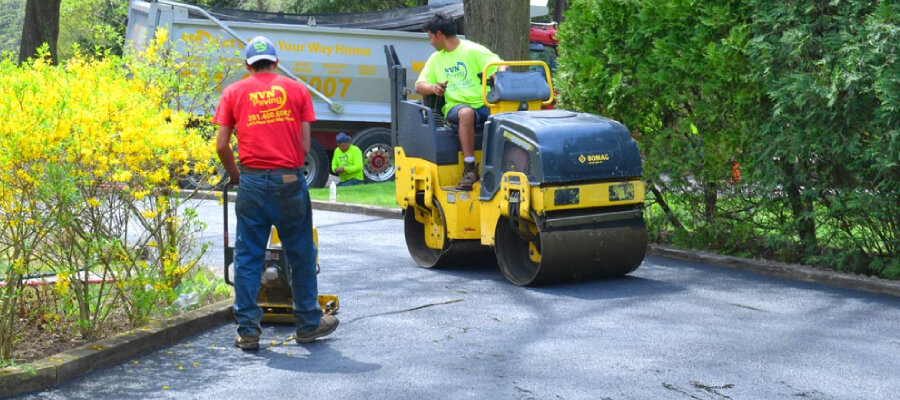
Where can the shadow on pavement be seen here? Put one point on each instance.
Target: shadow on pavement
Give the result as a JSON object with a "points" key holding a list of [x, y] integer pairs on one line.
{"points": [[611, 288], [317, 357]]}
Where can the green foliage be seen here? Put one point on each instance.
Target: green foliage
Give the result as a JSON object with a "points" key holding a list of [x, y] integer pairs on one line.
{"points": [[674, 73], [93, 25], [12, 14], [803, 95], [827, 124]]}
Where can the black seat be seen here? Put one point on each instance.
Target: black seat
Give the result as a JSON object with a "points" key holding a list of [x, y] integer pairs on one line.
{"points": [[519, 86], [446, 134]]}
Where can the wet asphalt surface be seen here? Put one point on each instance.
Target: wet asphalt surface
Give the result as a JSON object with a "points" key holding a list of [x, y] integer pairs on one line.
{"points": [[670, 330]]}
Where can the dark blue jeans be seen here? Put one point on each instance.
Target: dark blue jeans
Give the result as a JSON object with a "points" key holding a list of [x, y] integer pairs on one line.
{"points": [[263, 200], [351, 182]]}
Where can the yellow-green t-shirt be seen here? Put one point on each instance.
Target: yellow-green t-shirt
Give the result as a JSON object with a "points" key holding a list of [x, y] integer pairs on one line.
{"points": [[459, 68], [351, 161]]}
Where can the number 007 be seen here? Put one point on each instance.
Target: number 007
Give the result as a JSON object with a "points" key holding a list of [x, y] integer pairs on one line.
{"points": [[329, 86]]}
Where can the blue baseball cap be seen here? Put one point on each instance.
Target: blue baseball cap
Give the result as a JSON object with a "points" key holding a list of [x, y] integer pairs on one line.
{"points": [[343, 137], [260, 48]]}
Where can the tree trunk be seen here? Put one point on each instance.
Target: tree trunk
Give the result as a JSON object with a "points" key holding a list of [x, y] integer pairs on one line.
{"points": [[41, 26], [802, 210], [500, 25], [710, 201], [558, 10]]}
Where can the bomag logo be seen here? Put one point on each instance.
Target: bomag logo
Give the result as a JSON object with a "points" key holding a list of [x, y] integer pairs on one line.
{"points": [[593, 158], [275, 97]]}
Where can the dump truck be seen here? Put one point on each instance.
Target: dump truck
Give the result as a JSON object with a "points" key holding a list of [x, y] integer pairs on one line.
{"points": [[337, 56], [342, 66]]}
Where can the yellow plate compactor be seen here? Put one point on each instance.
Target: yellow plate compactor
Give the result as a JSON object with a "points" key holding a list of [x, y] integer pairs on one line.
{"points": [[275, 297], [560, 196]]}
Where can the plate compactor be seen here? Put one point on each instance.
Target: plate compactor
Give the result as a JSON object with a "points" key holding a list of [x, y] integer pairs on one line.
{"points": [[275, 296], [560, 197]]}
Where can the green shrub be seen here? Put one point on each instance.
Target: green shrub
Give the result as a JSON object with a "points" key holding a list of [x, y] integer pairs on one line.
{"points": [[803, 97]]}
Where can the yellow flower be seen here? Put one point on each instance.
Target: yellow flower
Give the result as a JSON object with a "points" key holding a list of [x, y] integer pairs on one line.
{"points": [[62, 282]]}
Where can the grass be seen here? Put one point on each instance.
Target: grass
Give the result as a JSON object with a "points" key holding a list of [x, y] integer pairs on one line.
{"points": [[374, 194]]}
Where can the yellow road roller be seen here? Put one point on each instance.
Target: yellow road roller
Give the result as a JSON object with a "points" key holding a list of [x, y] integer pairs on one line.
{"points": [[560, 197]]}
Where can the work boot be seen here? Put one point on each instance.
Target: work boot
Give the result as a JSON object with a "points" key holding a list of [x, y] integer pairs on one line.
{"points": [[470, 176], [327, 325], [247, 342]]}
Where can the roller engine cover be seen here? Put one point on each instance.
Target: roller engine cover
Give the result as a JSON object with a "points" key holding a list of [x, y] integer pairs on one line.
{"points": [[557, 147]]}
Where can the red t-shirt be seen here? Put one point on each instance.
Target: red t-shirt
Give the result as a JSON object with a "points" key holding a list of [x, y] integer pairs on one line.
{"points": [[267, 110]]}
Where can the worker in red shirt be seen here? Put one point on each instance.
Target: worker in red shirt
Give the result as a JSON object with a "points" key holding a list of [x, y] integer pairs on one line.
{"points": [[271, 115]]}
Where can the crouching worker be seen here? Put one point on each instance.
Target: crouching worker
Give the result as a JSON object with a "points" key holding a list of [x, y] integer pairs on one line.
{"points": [[347, 162], [271, 190]]}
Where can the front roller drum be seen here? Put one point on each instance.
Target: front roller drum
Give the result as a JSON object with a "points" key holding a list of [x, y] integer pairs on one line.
{"points": [[580, 253], [416, 242], [451, 253]]}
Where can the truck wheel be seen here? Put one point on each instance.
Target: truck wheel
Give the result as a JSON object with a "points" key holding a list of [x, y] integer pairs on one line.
{"points": [[316, 166], [378, 154], [193, 181]]}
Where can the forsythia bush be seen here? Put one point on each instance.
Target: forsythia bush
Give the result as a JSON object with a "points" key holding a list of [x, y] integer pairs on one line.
{"points": [[91, 153]]}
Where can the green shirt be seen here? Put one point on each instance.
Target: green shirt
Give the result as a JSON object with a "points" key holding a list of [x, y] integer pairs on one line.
{"points": [[351, 161], [459, 68]]}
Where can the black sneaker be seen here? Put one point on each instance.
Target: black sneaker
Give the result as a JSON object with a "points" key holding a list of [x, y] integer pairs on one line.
{"points": [[327, 325], [247, 342], [470, 176]]}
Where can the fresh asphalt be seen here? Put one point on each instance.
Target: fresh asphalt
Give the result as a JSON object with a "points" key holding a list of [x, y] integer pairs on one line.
{"points": [[671, 329]]}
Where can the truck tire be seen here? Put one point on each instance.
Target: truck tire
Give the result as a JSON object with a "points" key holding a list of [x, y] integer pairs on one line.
{"points": [[316, 166], [378, 154], [192, 181]]}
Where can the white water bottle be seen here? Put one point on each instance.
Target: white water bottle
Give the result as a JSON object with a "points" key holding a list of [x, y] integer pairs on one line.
{"points": [[332, 191]]}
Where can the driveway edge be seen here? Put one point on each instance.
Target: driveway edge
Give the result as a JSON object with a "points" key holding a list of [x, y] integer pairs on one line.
{"points": [[62, 367]]}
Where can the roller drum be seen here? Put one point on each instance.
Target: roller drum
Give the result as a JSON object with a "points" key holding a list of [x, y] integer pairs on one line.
{"points": [[578, 253], [454, 252]]}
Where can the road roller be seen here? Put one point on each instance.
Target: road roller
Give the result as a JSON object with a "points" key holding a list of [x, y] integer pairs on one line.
{"points": [[560, 197]]}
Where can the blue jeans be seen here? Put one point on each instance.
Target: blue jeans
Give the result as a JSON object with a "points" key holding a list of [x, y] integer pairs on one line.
{"points": [[263, 200], [351, 182]]}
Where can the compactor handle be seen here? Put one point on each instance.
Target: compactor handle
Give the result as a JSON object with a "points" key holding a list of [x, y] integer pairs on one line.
{"points": [[485, 77], [229, 251]]}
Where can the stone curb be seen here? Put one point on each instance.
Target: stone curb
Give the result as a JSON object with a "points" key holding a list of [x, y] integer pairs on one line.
{"points": [[791, 271], [62, 367]]}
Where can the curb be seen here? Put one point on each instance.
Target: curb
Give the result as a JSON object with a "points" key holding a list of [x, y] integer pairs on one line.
{"points": [[784, 270], [61, 367]]}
